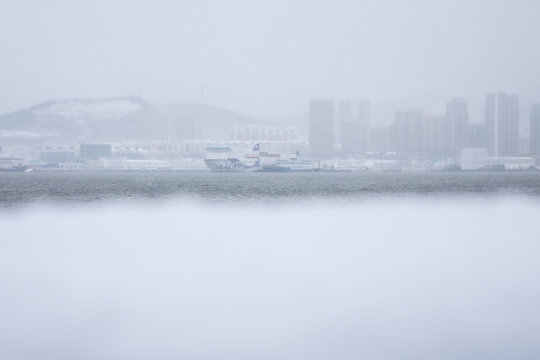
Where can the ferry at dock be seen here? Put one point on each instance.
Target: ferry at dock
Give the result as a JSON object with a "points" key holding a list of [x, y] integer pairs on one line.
{"points": [[221, 159], [293, 164], [11, 164]]}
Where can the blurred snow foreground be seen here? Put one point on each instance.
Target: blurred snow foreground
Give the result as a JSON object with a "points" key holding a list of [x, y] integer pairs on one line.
{"points": [[402, 280]]}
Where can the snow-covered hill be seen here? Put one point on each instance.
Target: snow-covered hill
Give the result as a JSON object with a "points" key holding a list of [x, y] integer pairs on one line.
{"points": [[121, 118], [85, 109]]}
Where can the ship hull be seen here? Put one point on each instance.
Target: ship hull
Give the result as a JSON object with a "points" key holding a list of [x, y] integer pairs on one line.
{"points": [[14, 169], [306, 166], [220, 165], [282, 169]]}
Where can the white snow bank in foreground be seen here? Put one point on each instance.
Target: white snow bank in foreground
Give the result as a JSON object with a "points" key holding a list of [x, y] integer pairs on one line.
{"points": [[400, 280]]}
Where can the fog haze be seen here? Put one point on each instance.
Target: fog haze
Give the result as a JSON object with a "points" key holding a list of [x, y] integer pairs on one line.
{"points": [[182, 281], [266, 58]]}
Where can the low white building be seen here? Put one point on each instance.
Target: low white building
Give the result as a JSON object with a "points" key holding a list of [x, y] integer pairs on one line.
{"points": [[512, 162], [473, 158], [477, 158]]}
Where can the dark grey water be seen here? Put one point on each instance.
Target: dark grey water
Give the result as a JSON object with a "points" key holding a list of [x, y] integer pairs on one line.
{"points": [[43, 187]]}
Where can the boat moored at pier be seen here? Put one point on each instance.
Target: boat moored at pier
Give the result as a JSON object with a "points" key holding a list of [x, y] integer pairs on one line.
{"points": [[293, 164], [221, 159]]}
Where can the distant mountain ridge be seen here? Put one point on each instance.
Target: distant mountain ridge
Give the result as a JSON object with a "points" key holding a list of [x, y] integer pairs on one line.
{"points": [[119, 118]]}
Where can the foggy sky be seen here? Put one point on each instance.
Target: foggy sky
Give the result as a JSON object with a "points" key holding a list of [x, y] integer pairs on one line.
{"points": [[266, 58]]}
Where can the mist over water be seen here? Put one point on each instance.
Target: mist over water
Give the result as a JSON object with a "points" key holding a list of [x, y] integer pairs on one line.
{"points": [[439, 278]]}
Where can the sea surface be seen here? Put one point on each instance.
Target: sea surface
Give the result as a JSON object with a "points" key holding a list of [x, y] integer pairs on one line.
{"points": [[18, 189], [215, 266]]}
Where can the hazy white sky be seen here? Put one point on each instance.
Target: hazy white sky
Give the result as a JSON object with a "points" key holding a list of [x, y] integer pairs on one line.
{"points": [[266, 58]]}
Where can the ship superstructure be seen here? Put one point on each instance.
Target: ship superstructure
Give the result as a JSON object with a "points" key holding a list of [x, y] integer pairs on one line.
{"points": [[222, 159], [11, 164], [292, 164]]}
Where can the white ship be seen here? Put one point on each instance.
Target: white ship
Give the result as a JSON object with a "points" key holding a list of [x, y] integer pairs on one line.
{"points": [[221, 159], [292, 164], [11, 164]]}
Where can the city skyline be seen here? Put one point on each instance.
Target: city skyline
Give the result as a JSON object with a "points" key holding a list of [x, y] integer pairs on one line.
{"points": [[382, 113], [414, 131], [352, 122]]}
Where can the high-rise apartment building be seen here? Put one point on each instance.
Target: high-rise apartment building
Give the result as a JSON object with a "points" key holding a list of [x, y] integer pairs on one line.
{"points": [[477, 136], [535, 130], [355, 137], [344, 113], [378, 139], [364, 112], [456, 127], [407, 132], [502, 124], [321, 127], [433, 133]]}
